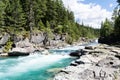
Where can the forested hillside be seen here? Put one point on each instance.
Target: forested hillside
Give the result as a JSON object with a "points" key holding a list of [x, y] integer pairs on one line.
{"points": [[110, 29], [22, 17]]}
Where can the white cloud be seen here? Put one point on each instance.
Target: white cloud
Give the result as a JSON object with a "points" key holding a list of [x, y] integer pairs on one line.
{"points": [[111, 5], [90, 14]]}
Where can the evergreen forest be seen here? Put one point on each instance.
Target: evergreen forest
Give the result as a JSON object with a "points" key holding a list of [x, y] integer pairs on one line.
{"points": [[110, 29], [23, 17]]}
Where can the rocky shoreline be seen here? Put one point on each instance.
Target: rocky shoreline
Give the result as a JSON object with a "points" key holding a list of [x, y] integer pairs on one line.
{"points": [[21, 46], [101, 62]]}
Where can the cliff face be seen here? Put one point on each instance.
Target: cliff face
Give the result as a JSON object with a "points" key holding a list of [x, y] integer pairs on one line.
{"points": [[38, 41]]}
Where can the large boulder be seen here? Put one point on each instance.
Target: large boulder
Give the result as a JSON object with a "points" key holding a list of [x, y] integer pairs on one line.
{"points": [[24, 50], [37, 38], [77, 53], [24, 43], [23, 47], [4, 39], [15, 53]]}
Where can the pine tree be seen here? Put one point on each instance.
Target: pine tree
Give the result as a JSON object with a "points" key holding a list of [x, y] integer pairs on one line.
{"points": [[118, 1], [2, 7], [117, 26], [106, 28], [14, 15], [39, 11]]}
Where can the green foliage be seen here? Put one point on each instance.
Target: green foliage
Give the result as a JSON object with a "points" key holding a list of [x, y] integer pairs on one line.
{"points": [[49, 33], [47, 24], [2, 8], [26, 35], [110, 31], [115, 13], [28, 16], [8, 46], [41, 25], [106, 28], [117, 27], [58, 29], [14, 15], [69, 39]]}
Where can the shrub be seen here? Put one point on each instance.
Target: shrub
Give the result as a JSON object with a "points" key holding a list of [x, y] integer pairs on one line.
{"points": [[69, 39], [8, 46]]}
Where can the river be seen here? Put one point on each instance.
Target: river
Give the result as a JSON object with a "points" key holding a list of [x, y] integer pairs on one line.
{"points": [[36, 67]]}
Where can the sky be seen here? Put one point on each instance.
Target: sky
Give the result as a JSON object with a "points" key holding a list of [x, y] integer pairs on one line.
{"points": [[91, 12]]}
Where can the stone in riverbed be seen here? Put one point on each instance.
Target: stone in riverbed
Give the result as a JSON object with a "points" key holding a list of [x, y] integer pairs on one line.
{"points": [[79, 62], [77, 53], [117, 56], [54, 70], [76, 63], [90, 47], [18, 54], [99, 64], [73, 64]]}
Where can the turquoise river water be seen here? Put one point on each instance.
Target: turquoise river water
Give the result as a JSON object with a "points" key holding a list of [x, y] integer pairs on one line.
{"points": [[35, 67]]}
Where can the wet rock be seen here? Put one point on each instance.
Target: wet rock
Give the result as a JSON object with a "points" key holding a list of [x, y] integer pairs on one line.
{"points": [[18, 54], [77, 53], [3, 54], [90, 47], [74, 64], [118, 56], [54, 70], [79, 62], [45, 52]]}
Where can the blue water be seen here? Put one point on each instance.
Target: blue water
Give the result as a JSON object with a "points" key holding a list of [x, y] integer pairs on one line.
{"points": [[33, 67], [36, 67]]}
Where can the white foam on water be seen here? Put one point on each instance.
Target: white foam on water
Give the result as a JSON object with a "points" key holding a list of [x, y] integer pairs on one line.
{"points": [[72, 48], [29, 63]]}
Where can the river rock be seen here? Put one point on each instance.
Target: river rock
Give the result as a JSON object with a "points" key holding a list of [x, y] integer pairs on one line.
{"points": [[18, 53], [73, 64], [118, 56], [109, 62], [116, 51], [24, 46], [100, 64], [77, 53], [79, 62], [54, 70], [24, 50], [90, 47], [45, 52]]}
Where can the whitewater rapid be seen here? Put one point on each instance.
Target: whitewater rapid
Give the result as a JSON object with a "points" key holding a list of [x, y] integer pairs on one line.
{"points": [[35, 66], [22, 65]]}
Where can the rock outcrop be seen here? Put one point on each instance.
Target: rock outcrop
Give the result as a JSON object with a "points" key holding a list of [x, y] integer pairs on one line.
{"points": [[101, 63], [4, 39]]}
